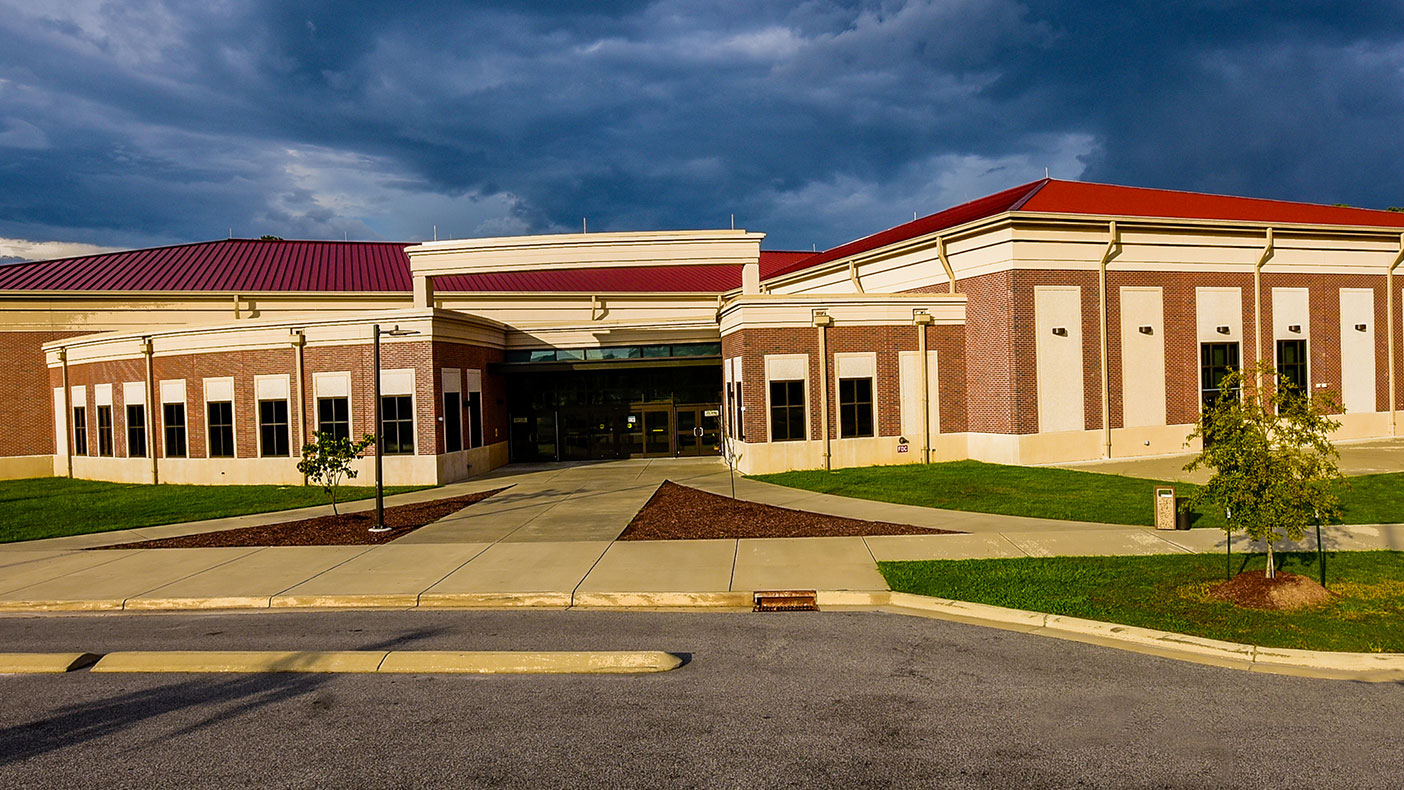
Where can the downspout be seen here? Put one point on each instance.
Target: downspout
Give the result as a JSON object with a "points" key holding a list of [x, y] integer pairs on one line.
{"points": [[853, 277], [68, 418], [1107, 254], [299, 341], [1258, 309], [822, 322], [923, 320], [150, 408], [1389, 327], [945, 262]]}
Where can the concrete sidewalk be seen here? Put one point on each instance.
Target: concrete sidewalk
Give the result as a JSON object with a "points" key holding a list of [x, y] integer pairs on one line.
{"points": [[549, 540]]}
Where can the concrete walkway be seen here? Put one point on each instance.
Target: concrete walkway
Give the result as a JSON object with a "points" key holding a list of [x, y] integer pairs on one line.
{"points": [[549, 540]]}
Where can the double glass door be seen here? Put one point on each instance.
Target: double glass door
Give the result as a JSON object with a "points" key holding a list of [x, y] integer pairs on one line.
{"points": [[664, 431]]}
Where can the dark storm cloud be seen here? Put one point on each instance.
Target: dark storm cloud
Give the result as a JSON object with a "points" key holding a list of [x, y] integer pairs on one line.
{"points": [[145, 122]]}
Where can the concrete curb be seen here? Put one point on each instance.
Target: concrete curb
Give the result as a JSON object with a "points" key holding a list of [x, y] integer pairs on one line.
{"points": [[1371, 667], [44, 663], [424, 662], [1368, 667]]}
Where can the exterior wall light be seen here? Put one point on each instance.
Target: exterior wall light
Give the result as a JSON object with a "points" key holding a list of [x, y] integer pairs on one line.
{"points": [[1223, 330], [1360, 327], [1295, 328], [1145, 330], [1060, 331]]}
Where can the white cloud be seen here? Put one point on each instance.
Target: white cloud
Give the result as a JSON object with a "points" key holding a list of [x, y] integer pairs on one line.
{"points": [[26, 250], [23, 135]]}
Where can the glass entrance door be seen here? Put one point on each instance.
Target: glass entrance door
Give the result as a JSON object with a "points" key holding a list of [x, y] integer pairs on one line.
{"points": [[649, 432], [698, 430]]}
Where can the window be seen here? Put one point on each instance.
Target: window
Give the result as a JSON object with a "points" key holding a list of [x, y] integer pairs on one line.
{"points": [[1215, 362], [475, 419], [730, 408], [273, 428], [80, 430], [856, 407], [787, 411], [334, 417], [136, 431], [104, 426], [453, 422], [740, 409], [221, 429], [173, 418], [1292, 366], [397, 425]]}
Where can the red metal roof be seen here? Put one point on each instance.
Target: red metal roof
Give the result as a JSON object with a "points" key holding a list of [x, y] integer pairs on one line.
{"points": [[248, 266], [242, 265], [1078, 197], [957, 215]]}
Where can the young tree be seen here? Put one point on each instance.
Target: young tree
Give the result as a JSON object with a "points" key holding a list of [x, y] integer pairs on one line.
{"points": [[327, 461], [1274, 467]]}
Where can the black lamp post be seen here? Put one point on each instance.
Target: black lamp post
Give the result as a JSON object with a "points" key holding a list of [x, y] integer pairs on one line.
{"points": [[379, 425]]}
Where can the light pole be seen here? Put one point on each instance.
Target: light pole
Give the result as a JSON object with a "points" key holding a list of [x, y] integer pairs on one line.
{"points": [[379, 424]]}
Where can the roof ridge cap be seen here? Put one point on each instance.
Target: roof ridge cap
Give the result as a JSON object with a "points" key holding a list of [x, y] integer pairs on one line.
{"points": [[1037, 187]]}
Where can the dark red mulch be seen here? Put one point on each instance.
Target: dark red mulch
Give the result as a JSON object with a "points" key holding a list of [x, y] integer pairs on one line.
{"points": [[346, 529], [680, 513], [1286, 591]]}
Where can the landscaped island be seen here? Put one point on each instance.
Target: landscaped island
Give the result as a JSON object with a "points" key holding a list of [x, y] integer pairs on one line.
{"points": [[52, 507]]}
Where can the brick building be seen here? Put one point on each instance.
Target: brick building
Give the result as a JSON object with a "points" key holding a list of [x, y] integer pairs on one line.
{"points": [[1055, 321]]}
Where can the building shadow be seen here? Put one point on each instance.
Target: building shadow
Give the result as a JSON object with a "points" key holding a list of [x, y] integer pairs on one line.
{"points": [[229, 696]]}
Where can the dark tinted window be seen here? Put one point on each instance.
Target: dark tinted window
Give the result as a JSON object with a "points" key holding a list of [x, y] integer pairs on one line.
{"points": [[173, 418], [787, 411], [220, 429]]}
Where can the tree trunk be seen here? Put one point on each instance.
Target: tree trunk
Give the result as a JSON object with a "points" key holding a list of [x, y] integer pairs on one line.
{"points": [[1271, 567], [335, 512]]}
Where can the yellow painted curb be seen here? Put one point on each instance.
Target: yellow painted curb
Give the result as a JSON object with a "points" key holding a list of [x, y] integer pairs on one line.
{"points": [[242, 661], [527, 662], [391, 601], [44, 663], [184, 604], [528, 600], [397, 662], [97, 605], [664, 600]]}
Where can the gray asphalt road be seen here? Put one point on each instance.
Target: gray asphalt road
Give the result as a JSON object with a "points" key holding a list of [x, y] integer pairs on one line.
{"points": [[777, 700]]}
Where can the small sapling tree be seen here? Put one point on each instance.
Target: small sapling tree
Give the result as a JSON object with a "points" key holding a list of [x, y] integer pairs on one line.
{"points": [[1268, 444], [327, 461]]}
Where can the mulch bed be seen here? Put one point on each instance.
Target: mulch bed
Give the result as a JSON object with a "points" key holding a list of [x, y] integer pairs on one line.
{"points": [[346, 529], [1256, 591], [680, 513]]}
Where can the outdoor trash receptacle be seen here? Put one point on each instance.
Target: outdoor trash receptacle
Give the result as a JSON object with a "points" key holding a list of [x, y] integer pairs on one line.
{"points": [[1165, 508]]}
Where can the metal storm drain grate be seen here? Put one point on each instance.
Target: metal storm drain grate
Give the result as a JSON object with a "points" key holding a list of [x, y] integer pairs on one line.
{"points": [[786, 601]]}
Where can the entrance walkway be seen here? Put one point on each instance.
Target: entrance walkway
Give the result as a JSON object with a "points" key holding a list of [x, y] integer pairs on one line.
{"points": [[549, 540]]}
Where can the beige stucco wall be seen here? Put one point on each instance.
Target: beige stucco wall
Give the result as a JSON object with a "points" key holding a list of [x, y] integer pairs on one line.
{"points": [[22, 466]]}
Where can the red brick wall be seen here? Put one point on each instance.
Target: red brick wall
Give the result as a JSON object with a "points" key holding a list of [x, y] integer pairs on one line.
{"points": [[1000, 359], [753, 345], [466, 357], [27, 391], [358, 360]]}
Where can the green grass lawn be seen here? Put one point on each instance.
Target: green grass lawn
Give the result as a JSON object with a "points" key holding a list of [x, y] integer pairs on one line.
{"points": [[51, 507], [1056, 493], [1170, 593]]}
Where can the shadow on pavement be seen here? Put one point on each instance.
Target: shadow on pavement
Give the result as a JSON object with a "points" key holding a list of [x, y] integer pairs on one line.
{"points": [[235, 696]]}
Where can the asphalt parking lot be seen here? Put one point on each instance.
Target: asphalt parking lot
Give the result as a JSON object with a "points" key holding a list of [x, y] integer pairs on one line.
{"points": [[775, 700]]}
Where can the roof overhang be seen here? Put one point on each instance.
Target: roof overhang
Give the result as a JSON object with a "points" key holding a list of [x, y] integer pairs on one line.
{"points": [[584, 251]]}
